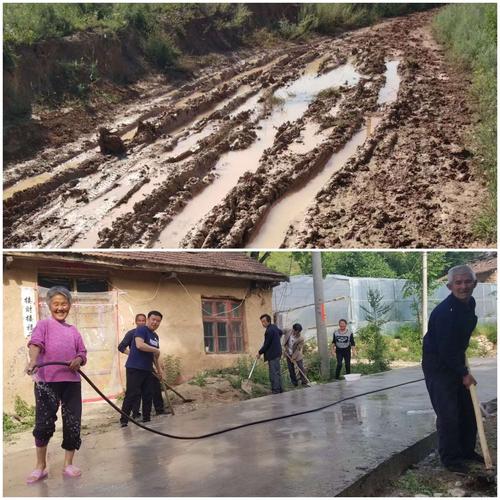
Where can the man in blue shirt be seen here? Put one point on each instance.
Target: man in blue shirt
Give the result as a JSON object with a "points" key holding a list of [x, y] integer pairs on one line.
{"points": [[272, 352], [144, 353], [124, 348], [447, 378]]}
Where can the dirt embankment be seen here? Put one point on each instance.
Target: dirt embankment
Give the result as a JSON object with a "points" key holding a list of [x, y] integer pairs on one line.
{"points": [[57, 89]]}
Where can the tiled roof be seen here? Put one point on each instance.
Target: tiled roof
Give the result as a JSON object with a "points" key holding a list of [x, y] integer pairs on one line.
{"points": [[234, 263]]}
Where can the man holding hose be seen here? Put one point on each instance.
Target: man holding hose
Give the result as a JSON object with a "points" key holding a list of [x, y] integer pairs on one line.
{"points": [[447, 378]]}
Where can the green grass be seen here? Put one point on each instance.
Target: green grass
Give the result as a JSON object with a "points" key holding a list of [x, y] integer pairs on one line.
{"points": [[416, 485], [29, 23], [468, 32], [161, 51], [22, 419], [200, 379], [406, 345], [332, 18]]}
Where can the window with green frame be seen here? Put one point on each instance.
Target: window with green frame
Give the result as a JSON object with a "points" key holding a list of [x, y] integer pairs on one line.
{"points": [[222, 326]]}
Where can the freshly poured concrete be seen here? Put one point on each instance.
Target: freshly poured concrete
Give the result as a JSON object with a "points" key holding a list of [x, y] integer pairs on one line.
{"points": [[323, 453]]}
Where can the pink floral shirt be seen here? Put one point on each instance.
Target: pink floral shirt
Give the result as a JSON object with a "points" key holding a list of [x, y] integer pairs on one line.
{"points": [[58, 341]]}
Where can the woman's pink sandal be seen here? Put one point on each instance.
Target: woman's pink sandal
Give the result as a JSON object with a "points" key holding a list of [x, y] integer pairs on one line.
{"points": [[72, 471], [36, 475]]}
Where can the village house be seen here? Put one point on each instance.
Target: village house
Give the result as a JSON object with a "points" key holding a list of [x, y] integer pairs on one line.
{"points": [[211, 303]]}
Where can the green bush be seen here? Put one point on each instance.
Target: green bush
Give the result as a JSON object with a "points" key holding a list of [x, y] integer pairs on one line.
{"points": [[161, 52], [332, 18], [199, 379], [303, 29], [374, 347], [23, 419], [171, 366], [411, 340], [23, 409], [312, 363], [9, 425], [140, 16], [489, 330], [260, 374]]}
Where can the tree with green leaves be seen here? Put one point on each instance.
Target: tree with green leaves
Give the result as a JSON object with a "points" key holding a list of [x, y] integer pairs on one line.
{"points": [[371, 335]]}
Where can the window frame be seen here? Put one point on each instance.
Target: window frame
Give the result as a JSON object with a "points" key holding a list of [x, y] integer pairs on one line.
{"points": [[228, 319], [74, 280]]}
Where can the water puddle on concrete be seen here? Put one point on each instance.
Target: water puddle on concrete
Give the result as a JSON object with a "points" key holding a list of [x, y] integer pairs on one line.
{"points": [[389, 92], [292, 207], [290, 103]]}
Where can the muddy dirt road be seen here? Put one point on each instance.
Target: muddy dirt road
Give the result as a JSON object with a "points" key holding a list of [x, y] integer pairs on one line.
{"points": [[355, 141]]}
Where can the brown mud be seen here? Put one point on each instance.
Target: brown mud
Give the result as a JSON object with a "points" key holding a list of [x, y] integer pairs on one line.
{"points": [[206, 164]]}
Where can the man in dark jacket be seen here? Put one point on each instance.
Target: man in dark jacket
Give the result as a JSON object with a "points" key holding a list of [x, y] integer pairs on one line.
{"points": [[447, 378], [272, 352]]}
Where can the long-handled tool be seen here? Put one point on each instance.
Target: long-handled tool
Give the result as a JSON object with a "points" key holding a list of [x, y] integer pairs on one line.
{"points": [[245, 385], [162, 383], [479, 421], [298, 368], [184, 400]]}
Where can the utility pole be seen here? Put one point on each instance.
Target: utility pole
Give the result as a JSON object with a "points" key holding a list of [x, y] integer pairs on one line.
{"points": [[424, 293], [319, 307]]}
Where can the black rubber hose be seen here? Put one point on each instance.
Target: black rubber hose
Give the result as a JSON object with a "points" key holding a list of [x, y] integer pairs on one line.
{"points": [[229, 429]]}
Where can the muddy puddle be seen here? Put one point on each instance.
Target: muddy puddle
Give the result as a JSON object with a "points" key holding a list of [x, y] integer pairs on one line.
{"points": [[36, 180], [292, 207], [25, 184], [289, 104], [389, 91]]}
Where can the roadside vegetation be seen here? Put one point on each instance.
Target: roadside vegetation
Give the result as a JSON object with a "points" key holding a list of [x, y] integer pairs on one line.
{"points": [[334, 18], [469, 32], [166, 35]]}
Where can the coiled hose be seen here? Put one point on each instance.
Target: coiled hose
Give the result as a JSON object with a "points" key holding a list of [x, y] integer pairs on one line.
{"points": [[228, 429]]}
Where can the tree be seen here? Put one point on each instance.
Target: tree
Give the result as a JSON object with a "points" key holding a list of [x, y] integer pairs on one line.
{"points": [[282, 262], [360, 264], [371, 335]]}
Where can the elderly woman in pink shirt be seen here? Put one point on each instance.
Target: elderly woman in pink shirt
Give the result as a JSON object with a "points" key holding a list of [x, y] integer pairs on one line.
{"points": [[55, 340]]}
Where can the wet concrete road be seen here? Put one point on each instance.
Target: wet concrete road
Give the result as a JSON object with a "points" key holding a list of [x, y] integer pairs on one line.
{"points": [[317, 454]]}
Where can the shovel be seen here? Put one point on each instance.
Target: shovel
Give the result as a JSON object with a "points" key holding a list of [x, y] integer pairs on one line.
{"points": [[479, 421], [169, 403], [246, 385], [301, 372]]}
